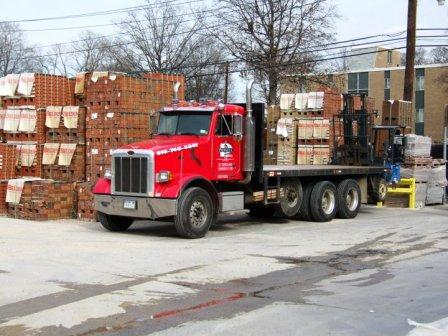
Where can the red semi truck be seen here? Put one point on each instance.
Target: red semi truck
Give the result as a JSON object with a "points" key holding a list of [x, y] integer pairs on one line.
{"points": [[207, 158]]}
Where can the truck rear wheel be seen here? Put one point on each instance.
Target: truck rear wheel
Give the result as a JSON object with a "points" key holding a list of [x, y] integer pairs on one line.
{"points": [[115, 223], [195, 213], [323, 201], [305, 212], [348, 199], [292, 198]]}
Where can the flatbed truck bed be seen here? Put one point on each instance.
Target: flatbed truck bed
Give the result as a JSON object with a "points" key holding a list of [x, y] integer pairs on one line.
{"points": [[320, 170]]}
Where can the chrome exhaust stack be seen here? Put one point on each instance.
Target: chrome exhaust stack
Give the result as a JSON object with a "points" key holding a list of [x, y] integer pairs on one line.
{"points": [[176, 87], [249, 136]]}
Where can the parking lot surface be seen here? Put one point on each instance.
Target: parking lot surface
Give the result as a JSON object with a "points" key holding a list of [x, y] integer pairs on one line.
{"points": [[365, 276]]}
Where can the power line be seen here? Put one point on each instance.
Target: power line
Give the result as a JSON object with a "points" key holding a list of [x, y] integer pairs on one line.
{"points": [[98, 13], [312, 61], [235, 60]]}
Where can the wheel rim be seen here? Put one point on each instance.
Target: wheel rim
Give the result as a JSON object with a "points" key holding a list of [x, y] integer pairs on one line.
{"points": [[291, 196], [198, 214], [328, 202], [352, 199]]}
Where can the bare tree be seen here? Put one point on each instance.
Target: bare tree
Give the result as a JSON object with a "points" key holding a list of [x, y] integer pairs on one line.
{"points": [[164, 38], [439, 55], [274, 38], [421, 57], [57, 61], [15, 55], [90, 52]]}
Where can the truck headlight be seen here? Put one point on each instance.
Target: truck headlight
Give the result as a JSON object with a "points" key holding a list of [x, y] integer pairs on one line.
{"points": [[164, 176], [108, 174]]}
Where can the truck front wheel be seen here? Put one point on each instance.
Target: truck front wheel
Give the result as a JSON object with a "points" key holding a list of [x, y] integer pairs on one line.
{"points": [[115, 223], [195, 213]]}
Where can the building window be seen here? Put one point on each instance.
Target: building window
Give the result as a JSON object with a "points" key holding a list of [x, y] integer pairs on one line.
{"points": [[387, 85], [420, 115], [389, 57], [420, 83], [358, 83]]}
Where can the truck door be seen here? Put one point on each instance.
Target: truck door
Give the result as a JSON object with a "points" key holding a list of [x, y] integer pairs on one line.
{"points": [[227, 149]]}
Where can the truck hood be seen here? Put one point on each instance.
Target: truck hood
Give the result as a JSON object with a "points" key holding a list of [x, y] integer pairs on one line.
{"points": [[166, 142]]}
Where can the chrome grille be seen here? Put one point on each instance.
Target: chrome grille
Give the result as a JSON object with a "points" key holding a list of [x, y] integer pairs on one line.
{"points": [[130, 175]]}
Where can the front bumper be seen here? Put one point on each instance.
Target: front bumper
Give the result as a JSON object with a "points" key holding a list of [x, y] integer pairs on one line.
{"points": [[147, 207]]}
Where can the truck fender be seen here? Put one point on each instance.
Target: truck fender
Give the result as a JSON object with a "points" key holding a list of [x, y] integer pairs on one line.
{"points": [[103, 186], [204, 184]]}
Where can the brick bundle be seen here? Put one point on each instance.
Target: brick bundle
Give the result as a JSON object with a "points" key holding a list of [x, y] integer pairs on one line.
{"points": [[85, 209], [307, 120], [398, 113], [3, 204], [74, 172], [61, 136], [46, 90], [44, 200], [9, 157]]}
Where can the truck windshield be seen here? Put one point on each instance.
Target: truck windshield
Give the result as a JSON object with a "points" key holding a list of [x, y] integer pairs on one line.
{"points": [[179, 123]]}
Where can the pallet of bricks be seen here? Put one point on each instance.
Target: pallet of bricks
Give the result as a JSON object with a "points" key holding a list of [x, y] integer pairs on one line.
{"points": [[429, 174], [40, 199], [305, 129], [64, 152], [121, 109], [22, 129], [398, 113]]}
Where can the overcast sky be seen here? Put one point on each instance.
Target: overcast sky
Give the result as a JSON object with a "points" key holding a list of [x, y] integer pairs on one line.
{"points": [[358, 17]]}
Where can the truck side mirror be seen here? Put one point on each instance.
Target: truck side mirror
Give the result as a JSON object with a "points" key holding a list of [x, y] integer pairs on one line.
{"points": [[237, 126]]}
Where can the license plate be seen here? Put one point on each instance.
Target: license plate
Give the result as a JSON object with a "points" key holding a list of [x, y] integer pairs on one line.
{"points": [[130, 204]]}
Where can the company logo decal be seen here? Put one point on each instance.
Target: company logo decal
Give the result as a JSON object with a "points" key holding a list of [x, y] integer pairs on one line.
{"points": [[225, 150]]}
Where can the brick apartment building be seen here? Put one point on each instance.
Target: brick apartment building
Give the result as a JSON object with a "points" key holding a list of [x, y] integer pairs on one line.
{"points": [[381, 77]]}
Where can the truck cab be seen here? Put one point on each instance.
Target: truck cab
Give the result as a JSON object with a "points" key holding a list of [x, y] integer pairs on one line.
{"points": [[197, 148]]}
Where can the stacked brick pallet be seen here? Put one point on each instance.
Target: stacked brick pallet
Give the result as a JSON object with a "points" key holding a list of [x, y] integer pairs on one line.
{"points": [[22, 120], [305, 128], [113, 109], [64, 155], [122, 110], [44, 200], [398, 113], [84, 209], [429, 173]]}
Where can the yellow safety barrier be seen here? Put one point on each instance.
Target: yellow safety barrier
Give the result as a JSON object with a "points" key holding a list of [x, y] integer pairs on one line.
{"points": [[406, 186]]}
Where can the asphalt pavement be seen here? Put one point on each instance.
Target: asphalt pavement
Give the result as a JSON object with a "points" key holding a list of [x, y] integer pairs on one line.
{"points": [[383, 273]]}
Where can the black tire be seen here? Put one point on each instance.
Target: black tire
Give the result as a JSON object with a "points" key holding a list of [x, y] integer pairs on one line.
{"points": [[115, 223], [291, 201], [304, 212], [378, 190], [348, 199], [259, 210], [195, 213], [323, 204]]}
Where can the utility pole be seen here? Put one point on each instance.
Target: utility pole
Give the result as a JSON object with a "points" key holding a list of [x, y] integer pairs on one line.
{"points": [[408, 92], [226, 85]]}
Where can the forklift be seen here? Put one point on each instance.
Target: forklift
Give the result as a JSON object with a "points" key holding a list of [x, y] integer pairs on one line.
{"points": [[363, 143]]}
